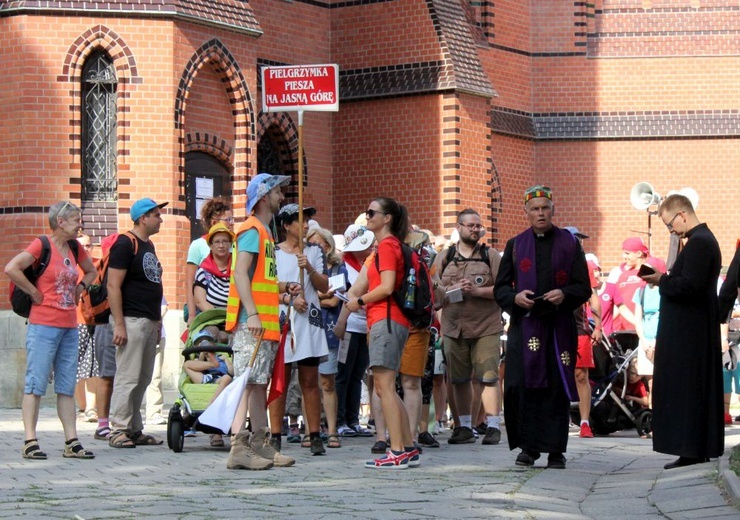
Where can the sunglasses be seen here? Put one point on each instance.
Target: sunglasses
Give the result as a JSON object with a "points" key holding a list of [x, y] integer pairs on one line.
{"points": [[370, 213]]}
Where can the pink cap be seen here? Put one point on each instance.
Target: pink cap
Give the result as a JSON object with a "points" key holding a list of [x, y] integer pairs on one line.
{"points": [[634, 245]]}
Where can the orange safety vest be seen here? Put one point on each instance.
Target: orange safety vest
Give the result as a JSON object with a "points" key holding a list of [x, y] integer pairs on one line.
{"points": [[264, 283]]}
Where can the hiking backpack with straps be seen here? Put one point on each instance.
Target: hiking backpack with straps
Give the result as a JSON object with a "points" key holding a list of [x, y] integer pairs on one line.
{"points": [[415, 297], [452, 251], [20, 300], [94, 302]]}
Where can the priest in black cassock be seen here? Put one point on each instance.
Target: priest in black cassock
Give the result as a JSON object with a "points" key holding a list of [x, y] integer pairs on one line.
{"points": [[542, 279], [687, 380]]}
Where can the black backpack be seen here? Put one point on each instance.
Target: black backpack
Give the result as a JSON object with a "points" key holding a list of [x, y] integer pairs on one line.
{"points": [[452, 251], [415, 297], [20, 300]]}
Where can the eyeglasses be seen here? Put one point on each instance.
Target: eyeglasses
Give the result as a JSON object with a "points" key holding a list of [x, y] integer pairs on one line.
{"points": [[670, 223], [471, 227], [228, 220], [370, 213], [220, 243]]}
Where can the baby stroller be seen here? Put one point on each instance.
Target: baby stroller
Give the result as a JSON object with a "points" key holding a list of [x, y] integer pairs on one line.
{"points": [[610, 412], [194, 398]]}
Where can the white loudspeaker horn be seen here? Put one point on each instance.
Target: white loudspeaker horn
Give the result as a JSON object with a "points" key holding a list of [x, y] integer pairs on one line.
{"points": [[643, 195]]}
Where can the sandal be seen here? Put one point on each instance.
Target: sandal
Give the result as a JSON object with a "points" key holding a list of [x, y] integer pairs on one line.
{"points": [[74, 450], [120, 440], [379, 447], [306, 442], [31, 450], [102, 433], [217, 442], [144, 439], [333, 441]]}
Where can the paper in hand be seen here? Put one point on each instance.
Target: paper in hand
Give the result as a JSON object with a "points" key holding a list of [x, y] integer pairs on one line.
{"points": [[337, 283]]}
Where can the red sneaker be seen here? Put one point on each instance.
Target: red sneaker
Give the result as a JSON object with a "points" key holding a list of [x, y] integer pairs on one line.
{"points": [[728, 418], [586, 431]]}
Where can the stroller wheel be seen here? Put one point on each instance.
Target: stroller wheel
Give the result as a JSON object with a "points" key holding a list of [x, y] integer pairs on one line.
{"points": [[175, 430], [644, 421]]}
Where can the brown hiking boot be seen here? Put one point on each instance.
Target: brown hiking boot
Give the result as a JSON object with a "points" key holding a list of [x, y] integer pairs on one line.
{"points": [[243, 456], [262, 446]]}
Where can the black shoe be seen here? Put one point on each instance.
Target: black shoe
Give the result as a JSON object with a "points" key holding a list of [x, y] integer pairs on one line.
{"points": [[684, 461], [379, 447], [428, 440], [493, 436], [556, 461], [462, 435], [481, 428], [527, 458], [317, 446]]}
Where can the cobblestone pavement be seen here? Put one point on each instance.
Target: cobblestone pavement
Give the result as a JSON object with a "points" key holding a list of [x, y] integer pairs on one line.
{"points": [[607, 477]]}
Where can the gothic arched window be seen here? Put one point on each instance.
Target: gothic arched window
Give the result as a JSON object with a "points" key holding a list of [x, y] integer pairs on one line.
{"points": [[99, 129]]}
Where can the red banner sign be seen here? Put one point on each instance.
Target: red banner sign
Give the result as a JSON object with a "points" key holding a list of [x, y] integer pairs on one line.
{"points": [[300, 87]]}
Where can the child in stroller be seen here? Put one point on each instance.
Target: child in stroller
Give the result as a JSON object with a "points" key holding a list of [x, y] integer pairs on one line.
{"points": [[207, 360], [615, 405]]}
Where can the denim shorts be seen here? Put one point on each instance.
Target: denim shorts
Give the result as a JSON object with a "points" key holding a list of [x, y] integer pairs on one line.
{"points": [[330, 364], [46, 348]]}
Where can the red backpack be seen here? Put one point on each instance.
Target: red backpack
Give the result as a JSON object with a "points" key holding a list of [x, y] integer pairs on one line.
{"points": [[94, 302]]}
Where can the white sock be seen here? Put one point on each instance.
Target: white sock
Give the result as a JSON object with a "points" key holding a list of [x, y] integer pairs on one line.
{"points": [[466, 421], [585, 421], [494, 421]]}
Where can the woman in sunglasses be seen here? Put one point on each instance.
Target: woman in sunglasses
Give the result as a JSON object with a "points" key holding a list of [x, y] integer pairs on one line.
{"points": [[387, 325]]}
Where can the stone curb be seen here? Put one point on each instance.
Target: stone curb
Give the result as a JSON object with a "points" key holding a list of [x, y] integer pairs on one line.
{"points": [[729, 479]]}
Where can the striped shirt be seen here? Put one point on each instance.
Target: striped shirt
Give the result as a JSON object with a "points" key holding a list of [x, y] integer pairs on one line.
{"points": [[217, 288]]}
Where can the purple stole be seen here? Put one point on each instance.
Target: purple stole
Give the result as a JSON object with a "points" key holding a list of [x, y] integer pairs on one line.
{"points": [[535, 333]]}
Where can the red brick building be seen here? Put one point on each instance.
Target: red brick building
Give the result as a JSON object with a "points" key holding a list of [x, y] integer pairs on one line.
{"points": [[445, 104]]}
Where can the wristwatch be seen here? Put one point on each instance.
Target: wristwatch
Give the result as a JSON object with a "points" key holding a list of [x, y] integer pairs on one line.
{"points": [[360, 302]]}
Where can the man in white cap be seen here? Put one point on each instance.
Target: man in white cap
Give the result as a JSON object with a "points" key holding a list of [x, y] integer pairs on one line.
{"points": [[135, 297], [351, 328], [251, 314]]}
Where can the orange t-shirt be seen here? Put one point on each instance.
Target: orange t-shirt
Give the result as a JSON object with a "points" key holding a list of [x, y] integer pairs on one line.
{"points": [[57, 284], [390, 258]]}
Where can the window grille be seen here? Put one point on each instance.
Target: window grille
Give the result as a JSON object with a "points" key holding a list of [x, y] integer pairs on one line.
{"points": [[99, 129]]}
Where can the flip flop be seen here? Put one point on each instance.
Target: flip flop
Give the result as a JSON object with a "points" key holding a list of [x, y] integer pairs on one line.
{"points": [[216, 443], [144, 439]]}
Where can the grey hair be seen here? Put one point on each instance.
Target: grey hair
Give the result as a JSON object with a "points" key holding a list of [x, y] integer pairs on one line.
{"points": [[61, 210], [332, 256]]}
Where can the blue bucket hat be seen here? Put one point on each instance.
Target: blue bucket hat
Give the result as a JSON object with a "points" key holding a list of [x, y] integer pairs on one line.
{"points": [[142, 206], [260, 185]]}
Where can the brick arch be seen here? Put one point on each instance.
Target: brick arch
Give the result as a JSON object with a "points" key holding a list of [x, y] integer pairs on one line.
{"points": [[271, 123], [212, 145], [107, 39], [215, 53], [497, 205]]}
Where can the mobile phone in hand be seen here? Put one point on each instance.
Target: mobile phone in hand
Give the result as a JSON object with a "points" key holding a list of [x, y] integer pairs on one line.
{"points": [[645, 270]]}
